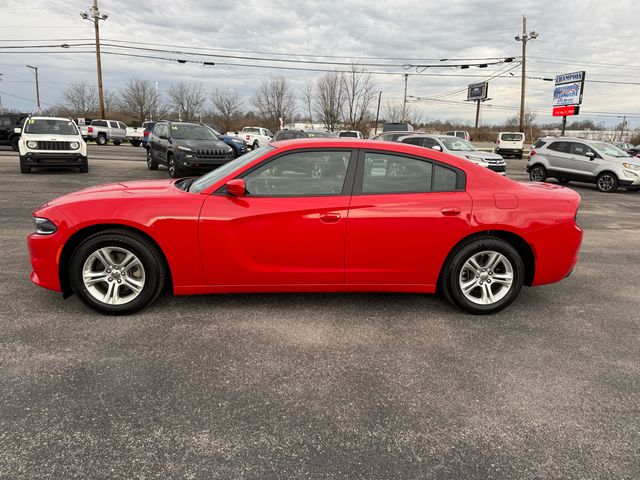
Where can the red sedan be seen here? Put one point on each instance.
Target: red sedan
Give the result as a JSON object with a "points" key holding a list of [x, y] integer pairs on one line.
{"points": [[321, 215]]}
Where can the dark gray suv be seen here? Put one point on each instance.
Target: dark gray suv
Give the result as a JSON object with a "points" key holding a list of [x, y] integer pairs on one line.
{"points": [[185, 147]]}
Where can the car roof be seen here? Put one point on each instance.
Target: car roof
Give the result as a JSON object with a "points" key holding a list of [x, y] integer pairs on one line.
{"points": [[42, 117]]}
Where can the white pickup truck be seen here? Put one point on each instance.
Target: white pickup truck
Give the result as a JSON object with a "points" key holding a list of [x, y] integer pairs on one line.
{"points": [[255, 137], [101, 131]]}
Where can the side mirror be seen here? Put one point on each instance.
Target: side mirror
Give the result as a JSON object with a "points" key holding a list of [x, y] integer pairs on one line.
{"points": [[437, 148], [591, 155], [236, 187], [17, 130]]}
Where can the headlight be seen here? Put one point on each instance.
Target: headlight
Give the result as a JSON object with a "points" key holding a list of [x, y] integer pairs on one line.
{"points": [[184, 149], [74, 145], [476, 159], [631, 166], [235, 140], [44, 226], [32, 144]]}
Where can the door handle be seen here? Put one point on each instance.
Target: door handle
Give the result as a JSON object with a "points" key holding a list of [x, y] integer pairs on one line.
{"points": [[451, 211], [329, 217]]}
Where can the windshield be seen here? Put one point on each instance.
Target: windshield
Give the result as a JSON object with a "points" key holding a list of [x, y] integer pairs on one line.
{"points": [[51, 127], [221, 172], [192, 132], [320, 134], [512, 137], [457, 144], [349, 134], [610, 150]]}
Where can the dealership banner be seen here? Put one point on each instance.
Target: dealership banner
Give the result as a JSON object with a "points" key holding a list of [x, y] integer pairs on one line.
{"points": [[568, 89]]}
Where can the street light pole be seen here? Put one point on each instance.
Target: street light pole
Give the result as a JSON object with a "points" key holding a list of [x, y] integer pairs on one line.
{"points": [[524, 39], [404, 103], [378, 112], [35, 69], [95, 17]]}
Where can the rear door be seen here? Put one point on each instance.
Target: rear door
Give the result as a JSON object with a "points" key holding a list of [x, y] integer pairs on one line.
{"points": [[559, 156], [406, 214], [288, 229]]}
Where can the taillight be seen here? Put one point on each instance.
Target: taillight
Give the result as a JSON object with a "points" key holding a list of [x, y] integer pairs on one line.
{"points": [[532, 153], [145, 133], [89, 129], [247, 138]]}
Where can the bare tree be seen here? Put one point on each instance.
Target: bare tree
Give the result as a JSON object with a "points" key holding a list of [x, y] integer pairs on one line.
{"points": [[81, 99], [328, 99], [227, 106], [307, 98], [358, 89], [139, 99], [189, 100], [275, 101], [393, 113]]}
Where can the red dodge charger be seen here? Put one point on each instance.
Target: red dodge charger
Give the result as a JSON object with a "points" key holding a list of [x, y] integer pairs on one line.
{"points": [[321, 215]]}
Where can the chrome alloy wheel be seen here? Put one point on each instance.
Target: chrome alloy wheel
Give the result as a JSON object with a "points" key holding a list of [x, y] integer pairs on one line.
{"points": [[486, 278], [536, 175], [113, 275], [606, 182]]}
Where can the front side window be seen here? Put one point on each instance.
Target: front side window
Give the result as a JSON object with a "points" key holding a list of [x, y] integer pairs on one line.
{"points": [[387, 173], [306, 173], [580, 149], [457, 144], [50, 127]]}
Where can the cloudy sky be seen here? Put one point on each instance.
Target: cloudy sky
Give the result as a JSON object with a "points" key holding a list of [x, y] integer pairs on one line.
{"points": [[596, 36]]}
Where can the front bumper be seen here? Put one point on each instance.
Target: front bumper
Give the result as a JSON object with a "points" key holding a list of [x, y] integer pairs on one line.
{"points": [[192, 161], [44, 251], [54, 159]]}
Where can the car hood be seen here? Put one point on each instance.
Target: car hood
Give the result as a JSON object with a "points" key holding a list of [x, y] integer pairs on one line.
{"points": [[202, 144], [477, 153], [141, 188], [51, 137]]}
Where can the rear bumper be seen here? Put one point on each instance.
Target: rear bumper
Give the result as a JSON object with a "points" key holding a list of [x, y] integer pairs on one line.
{"points": [[509, 151], [556, 252], [45, 159]]}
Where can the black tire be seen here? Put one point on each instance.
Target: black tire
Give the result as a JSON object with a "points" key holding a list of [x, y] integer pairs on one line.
{"points": [[255, 145], [174, 169], [23, 167], [101, 139], [147, 253], [135, 143], [607, 182], [14, 143], [563, 180], [538, 173], [151, 163], [117, 142], [235, 152], [451, 274], [84, 168]]}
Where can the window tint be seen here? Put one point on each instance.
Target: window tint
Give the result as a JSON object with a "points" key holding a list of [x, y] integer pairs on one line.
{"points": [[579, 148], [429, 142], [300, 173], [539, 143], [413, 141], [122, 125], [99, 123], [386, 173], [563, 147], [512, 137], [444, 179]]}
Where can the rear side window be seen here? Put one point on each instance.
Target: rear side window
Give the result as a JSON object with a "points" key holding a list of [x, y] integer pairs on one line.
{"points": [[539, 143], [562, 147], [444, 179], [99, 123], [386, 173], [413, 141]]}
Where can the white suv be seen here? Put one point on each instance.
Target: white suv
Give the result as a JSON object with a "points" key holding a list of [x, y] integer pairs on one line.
{"points": [[51, 142], [576, 159]]}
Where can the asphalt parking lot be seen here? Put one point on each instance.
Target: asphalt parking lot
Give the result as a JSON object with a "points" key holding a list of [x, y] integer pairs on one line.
{"points": [[320, 385]]}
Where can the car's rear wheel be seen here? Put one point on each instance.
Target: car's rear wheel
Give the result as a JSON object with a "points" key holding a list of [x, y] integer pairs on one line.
{"points": [[538, 173], [84, 168], [116, 272], [116, 142], [151, 163], [101, 140], [607, 182], [174, 169], [135, 143], [255, 145], [483, 275]]}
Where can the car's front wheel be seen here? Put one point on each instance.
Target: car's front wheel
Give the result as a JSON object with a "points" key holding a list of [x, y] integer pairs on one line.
{"points": [[483, 276], [116, 272], [174, 169], [607, 182]]}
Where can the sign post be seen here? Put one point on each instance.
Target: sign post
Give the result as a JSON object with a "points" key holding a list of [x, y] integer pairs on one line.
{"points": [[477, 92], [567, 95]]}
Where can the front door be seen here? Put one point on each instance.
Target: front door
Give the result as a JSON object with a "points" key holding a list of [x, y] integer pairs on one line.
{"points": [[406, 214], [288, 229]]}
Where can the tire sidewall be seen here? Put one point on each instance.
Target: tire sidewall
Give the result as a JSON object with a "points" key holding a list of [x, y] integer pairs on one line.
{"points": [[101, 140], [615, 182], [542, 169], [151, 264], [458, 260]]}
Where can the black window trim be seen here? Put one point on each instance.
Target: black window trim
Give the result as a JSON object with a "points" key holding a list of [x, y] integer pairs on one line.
{"points": [[461, 176], [347, 186]]}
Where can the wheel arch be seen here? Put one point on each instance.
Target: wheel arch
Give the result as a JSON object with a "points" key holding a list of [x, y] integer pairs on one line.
{"points": [[520, 244], [78, 237]]}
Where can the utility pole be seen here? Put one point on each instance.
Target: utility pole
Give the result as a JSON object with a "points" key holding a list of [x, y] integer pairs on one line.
{"points": [[378, 112], [35, 69], [524, 39], [156, 103], [624, 121], [404, 103], [95, 17]]}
